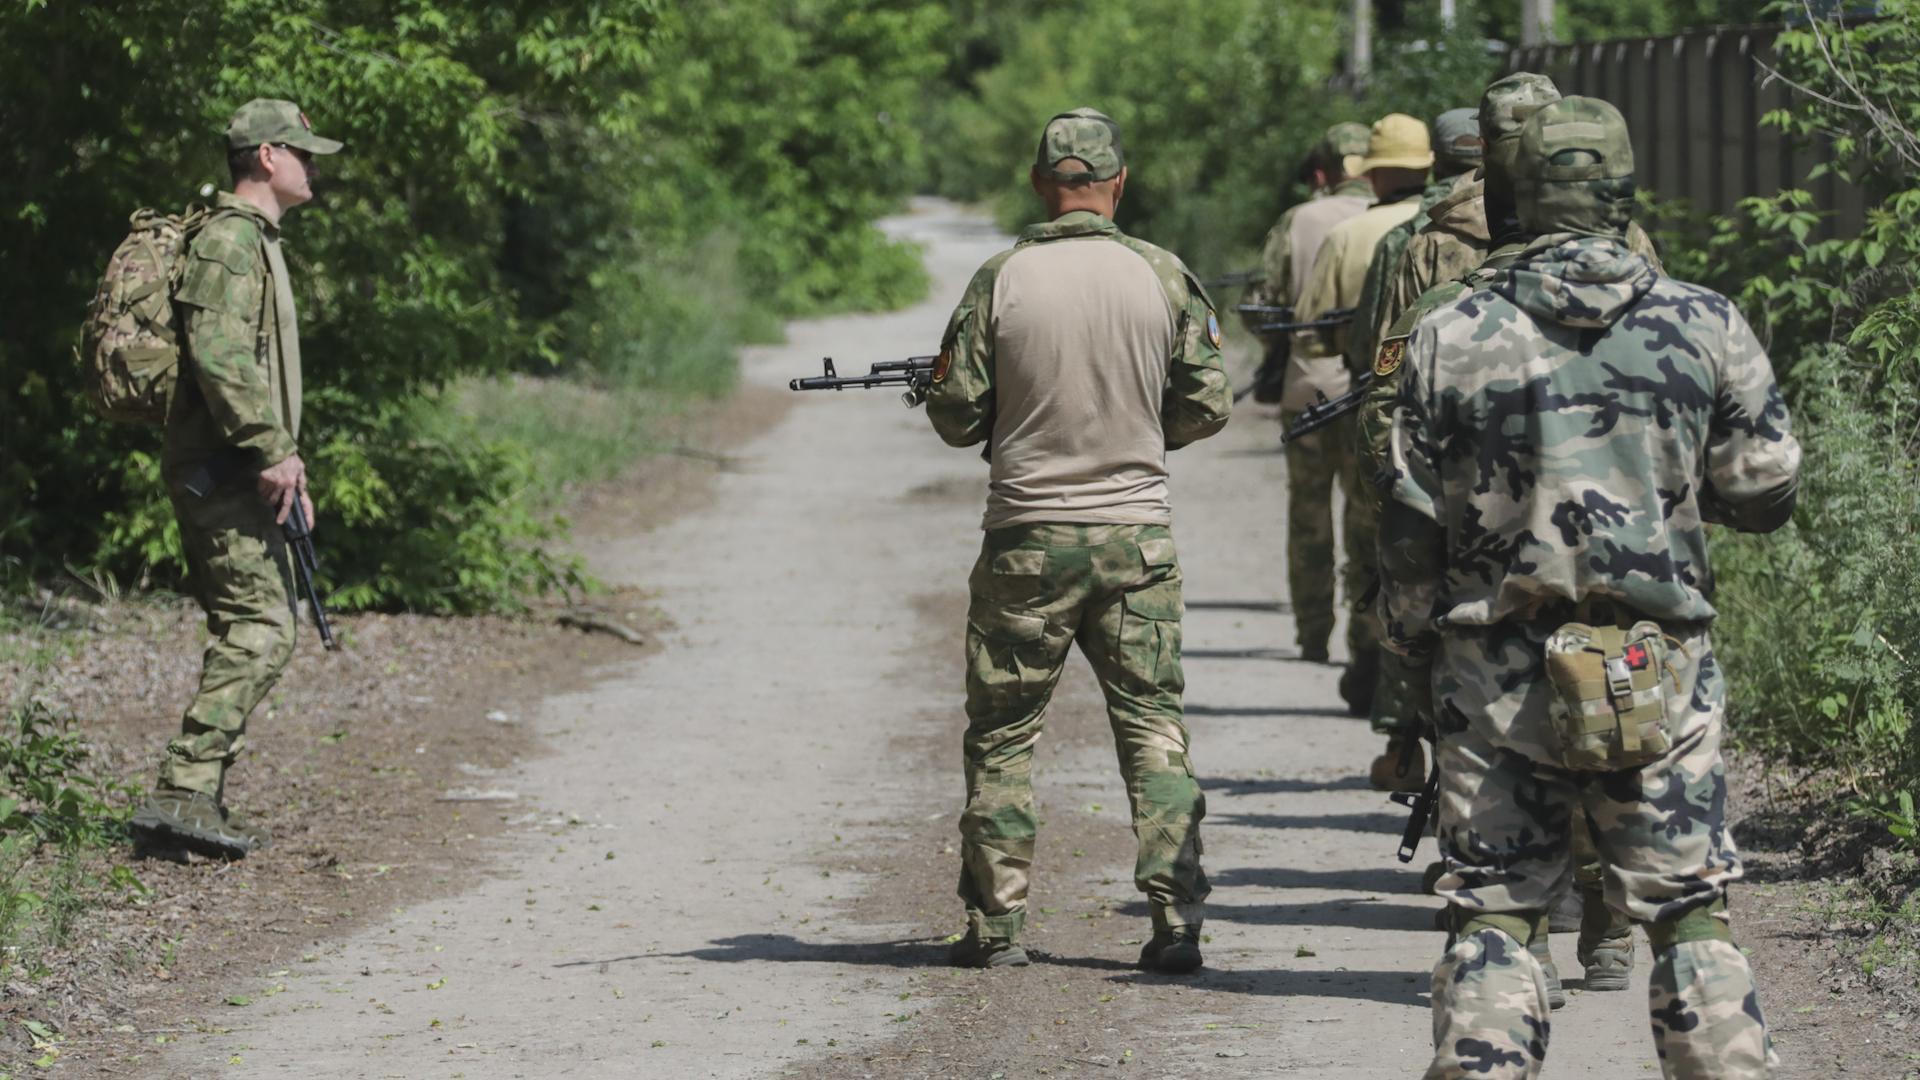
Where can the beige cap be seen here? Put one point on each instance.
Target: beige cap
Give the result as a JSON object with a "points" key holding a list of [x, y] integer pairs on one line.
{"points": [[1398, 141]]}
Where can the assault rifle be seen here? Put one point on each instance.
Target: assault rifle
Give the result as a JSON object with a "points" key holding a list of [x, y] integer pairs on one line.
{"points": [[1419, 804], [1327, 410], [1331, 320], [220, 468], [915, 373], [1236, 279]]}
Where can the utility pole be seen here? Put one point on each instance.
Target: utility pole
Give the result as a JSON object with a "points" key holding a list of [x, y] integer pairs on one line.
{"points": [[1536, 22], [1360, 56]]}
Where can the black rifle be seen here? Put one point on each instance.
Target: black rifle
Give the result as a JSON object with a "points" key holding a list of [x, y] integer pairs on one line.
{"points": [[915, 373], [1331, 320], [306, 567], [1327, 410], [1419, 804], [220, 468], [1236, 279]]}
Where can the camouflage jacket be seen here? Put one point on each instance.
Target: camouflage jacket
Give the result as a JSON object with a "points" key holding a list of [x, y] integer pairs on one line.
{"points": [[1565, 433], [1197, 397], [241, 383], [1371, 311]]}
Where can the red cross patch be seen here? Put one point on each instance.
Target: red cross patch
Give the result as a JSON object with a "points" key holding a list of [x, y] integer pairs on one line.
{"points": [[1636, 656]]}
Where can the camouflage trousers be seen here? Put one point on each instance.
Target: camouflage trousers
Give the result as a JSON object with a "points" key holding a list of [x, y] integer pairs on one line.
{"points": [[237, 561], [1316, 464], [1036, 590], [1666, 858]]}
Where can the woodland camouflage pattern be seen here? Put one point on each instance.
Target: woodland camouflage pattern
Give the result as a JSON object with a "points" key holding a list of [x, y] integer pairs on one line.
{"points": [[238, 394], [1560, 439], [1114, 589]]}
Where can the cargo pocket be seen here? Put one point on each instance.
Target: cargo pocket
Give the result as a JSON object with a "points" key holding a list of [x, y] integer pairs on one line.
{"points": [[1011, 577], [1150, 637], [1006, 656]]}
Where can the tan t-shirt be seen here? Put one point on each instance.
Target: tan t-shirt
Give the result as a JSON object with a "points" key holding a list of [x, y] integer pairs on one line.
{"points": [[1082, 332]]}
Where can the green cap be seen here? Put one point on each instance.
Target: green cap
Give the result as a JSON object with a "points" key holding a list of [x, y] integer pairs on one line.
{"points": [[1342, 147], [1456, 137], [1504, 106], [1086, 134], [1574, 169], [270, 120], [1507, 102]]}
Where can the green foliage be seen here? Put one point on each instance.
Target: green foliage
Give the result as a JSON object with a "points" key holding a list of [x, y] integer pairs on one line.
{"points": [[1828, 670], [532, 188], [1219, 103], [1216, 101]]}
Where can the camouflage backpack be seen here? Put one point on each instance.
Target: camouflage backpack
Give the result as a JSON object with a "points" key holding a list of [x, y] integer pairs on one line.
{"points": [[129, 349]]}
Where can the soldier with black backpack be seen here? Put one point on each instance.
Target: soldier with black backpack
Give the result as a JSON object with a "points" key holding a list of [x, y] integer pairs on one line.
{"points": [[230, 457]]}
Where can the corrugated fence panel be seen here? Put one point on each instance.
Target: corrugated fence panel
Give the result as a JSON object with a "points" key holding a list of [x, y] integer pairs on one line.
{"points": [[1694, 103]]}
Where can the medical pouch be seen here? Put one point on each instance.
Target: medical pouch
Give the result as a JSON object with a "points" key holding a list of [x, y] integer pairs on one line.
{"points": [[1610, 708]]}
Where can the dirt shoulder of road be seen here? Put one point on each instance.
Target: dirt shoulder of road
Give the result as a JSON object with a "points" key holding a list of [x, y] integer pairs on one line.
{"points": [[378, 770]]}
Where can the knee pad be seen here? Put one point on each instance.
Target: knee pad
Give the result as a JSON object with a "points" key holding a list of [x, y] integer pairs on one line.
{"points": [[1522, 926], [1705, 923]]}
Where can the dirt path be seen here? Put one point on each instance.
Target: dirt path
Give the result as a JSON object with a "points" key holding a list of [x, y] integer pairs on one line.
{"points": [[741, 863]]}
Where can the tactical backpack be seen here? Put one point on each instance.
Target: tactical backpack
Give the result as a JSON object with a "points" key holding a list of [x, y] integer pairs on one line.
{"points": [[129, 350]]}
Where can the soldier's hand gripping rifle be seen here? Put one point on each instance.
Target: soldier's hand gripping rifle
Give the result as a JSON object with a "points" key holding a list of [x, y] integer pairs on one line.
{"points": [[1327, 410], [915, 373], [220, 468]]}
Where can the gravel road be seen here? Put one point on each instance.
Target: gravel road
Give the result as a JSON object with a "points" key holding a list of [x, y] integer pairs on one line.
{"points": [[739, 859]]}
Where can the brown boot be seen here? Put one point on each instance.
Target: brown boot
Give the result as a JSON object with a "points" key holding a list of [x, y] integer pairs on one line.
{"points": [[1401, 767]]}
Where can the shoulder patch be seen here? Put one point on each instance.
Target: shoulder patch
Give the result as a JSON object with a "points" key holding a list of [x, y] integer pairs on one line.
{"points": [[1213, 329], [943, 364], [1387, 360]]}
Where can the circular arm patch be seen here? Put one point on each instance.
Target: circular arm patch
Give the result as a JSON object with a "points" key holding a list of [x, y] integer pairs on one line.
{"points": [[1387, 361]]}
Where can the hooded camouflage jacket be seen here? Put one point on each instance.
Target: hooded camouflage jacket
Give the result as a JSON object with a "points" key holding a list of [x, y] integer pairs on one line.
{"points": [[1565, 433]]}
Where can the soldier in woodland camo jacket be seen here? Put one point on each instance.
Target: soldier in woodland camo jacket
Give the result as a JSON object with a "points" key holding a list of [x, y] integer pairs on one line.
{"points": [[1561, 439]]}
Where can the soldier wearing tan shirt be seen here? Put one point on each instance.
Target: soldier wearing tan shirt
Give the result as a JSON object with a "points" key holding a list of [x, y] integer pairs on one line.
{"points": [[1080, 357]]}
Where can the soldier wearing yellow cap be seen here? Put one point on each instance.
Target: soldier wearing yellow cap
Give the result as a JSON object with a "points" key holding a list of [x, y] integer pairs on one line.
{"points": [[1399, 156]]}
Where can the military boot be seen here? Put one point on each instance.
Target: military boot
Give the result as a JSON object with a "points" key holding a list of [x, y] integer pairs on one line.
{"points": [[974, 951], [1173, 951], [1402, 766], [193, 820], [1606, 946], [1556, 994]]}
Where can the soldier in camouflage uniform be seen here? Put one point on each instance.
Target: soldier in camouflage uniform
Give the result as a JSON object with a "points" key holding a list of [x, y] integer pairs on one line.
{"points": [[1080, 357], [1561, 438], [1455, 238], [1399, 155], [1292, 244], [1457, 152], [230, 436]]}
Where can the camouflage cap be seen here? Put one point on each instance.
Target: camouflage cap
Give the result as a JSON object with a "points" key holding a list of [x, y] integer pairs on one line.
{"points": [[1507, 102], [270, 120], [1574, 169], [1086, 134], [1398, 141], [1342, 148], [1456, 137]]}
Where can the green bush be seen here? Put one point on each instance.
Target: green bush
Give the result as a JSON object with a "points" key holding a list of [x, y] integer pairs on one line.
{"points": [[526, 188], [1820, 624]]}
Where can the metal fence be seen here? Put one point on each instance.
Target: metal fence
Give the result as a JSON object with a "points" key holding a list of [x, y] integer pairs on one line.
{"points": [[1693, 102]]}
